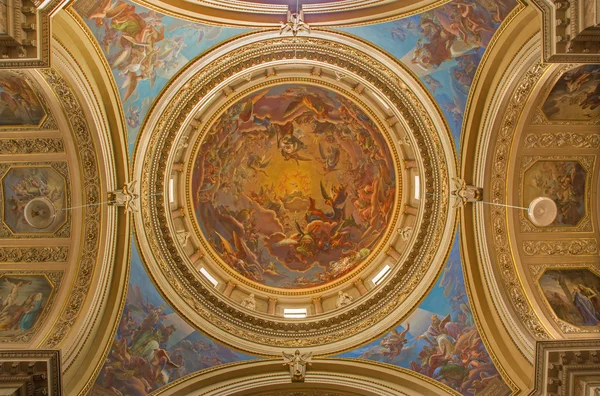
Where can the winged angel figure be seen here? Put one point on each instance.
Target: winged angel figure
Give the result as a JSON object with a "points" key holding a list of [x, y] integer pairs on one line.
{"points": [[295, 23], [297, 364]]}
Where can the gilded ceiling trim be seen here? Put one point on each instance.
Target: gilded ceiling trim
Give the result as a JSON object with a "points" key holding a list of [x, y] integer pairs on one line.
{"points": [[92, 219], [499, 214], [504, 27], [201, 299], [503, 71], [34, 254], [31, 146], [564, 368], [360, 375]]}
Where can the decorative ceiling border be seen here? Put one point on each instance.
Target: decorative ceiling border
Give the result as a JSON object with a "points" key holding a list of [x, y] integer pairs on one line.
{"points": [[90, 232]]}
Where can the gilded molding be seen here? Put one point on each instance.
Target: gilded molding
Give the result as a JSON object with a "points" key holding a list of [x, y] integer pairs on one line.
{"points": [[562, 140], [86, 151], [32, 146], [268, 330], [499, 215], [571, 247], [34, 254]]}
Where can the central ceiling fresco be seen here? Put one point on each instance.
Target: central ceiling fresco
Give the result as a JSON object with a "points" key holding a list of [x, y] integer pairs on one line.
{"points": [[293, 186]]}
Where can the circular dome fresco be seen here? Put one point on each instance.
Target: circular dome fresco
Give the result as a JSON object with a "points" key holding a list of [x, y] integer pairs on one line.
{"points": [[307, 175], [293, 186]]}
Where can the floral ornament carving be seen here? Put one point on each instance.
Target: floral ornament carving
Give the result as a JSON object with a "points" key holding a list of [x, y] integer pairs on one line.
{"points": [[562, 139], [30, 146], [91, 214], [573, 247], [34, 254], [498, 214]]}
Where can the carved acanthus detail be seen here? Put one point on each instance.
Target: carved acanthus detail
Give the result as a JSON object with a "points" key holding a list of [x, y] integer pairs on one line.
{"points": [[562, 366]]}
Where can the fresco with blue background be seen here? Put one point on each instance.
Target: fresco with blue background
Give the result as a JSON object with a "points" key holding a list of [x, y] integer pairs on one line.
{"points": [[440, 339], [145, 49], [154, 345], [443, 47]]}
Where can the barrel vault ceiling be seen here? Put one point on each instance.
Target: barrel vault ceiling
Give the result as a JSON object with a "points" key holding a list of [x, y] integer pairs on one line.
{"points": [[316, 197]]}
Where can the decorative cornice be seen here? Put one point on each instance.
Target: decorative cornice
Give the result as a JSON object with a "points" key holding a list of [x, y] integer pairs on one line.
{"points": [[569, 30], [27, 44], [567, 367], [31, 373], [34, 254]]}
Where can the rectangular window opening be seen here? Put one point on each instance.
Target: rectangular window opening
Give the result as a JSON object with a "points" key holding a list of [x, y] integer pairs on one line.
{"points": [[294, 313], [208, 276], [381, 275]]}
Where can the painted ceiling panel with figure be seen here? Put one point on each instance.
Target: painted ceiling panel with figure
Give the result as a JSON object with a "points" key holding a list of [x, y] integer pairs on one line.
{"points": [[440, 339], [293, 186], [153, 345], [26, 297], [573, 296], [575, 96], [145, 49], [443, 47], [19, 104]]}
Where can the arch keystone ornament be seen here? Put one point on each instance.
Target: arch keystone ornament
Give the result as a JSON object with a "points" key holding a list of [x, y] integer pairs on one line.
{"points": [[293, 187], [297, 363]]}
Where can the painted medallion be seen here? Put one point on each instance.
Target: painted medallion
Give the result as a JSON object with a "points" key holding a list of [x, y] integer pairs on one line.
{"points": [[293, 186]]}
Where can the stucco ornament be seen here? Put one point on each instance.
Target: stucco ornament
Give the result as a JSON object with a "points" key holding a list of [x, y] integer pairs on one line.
{"points": [[343, 299], [125, 197], [295, 24], [249, 302], [465, 193], [297, 364]]}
